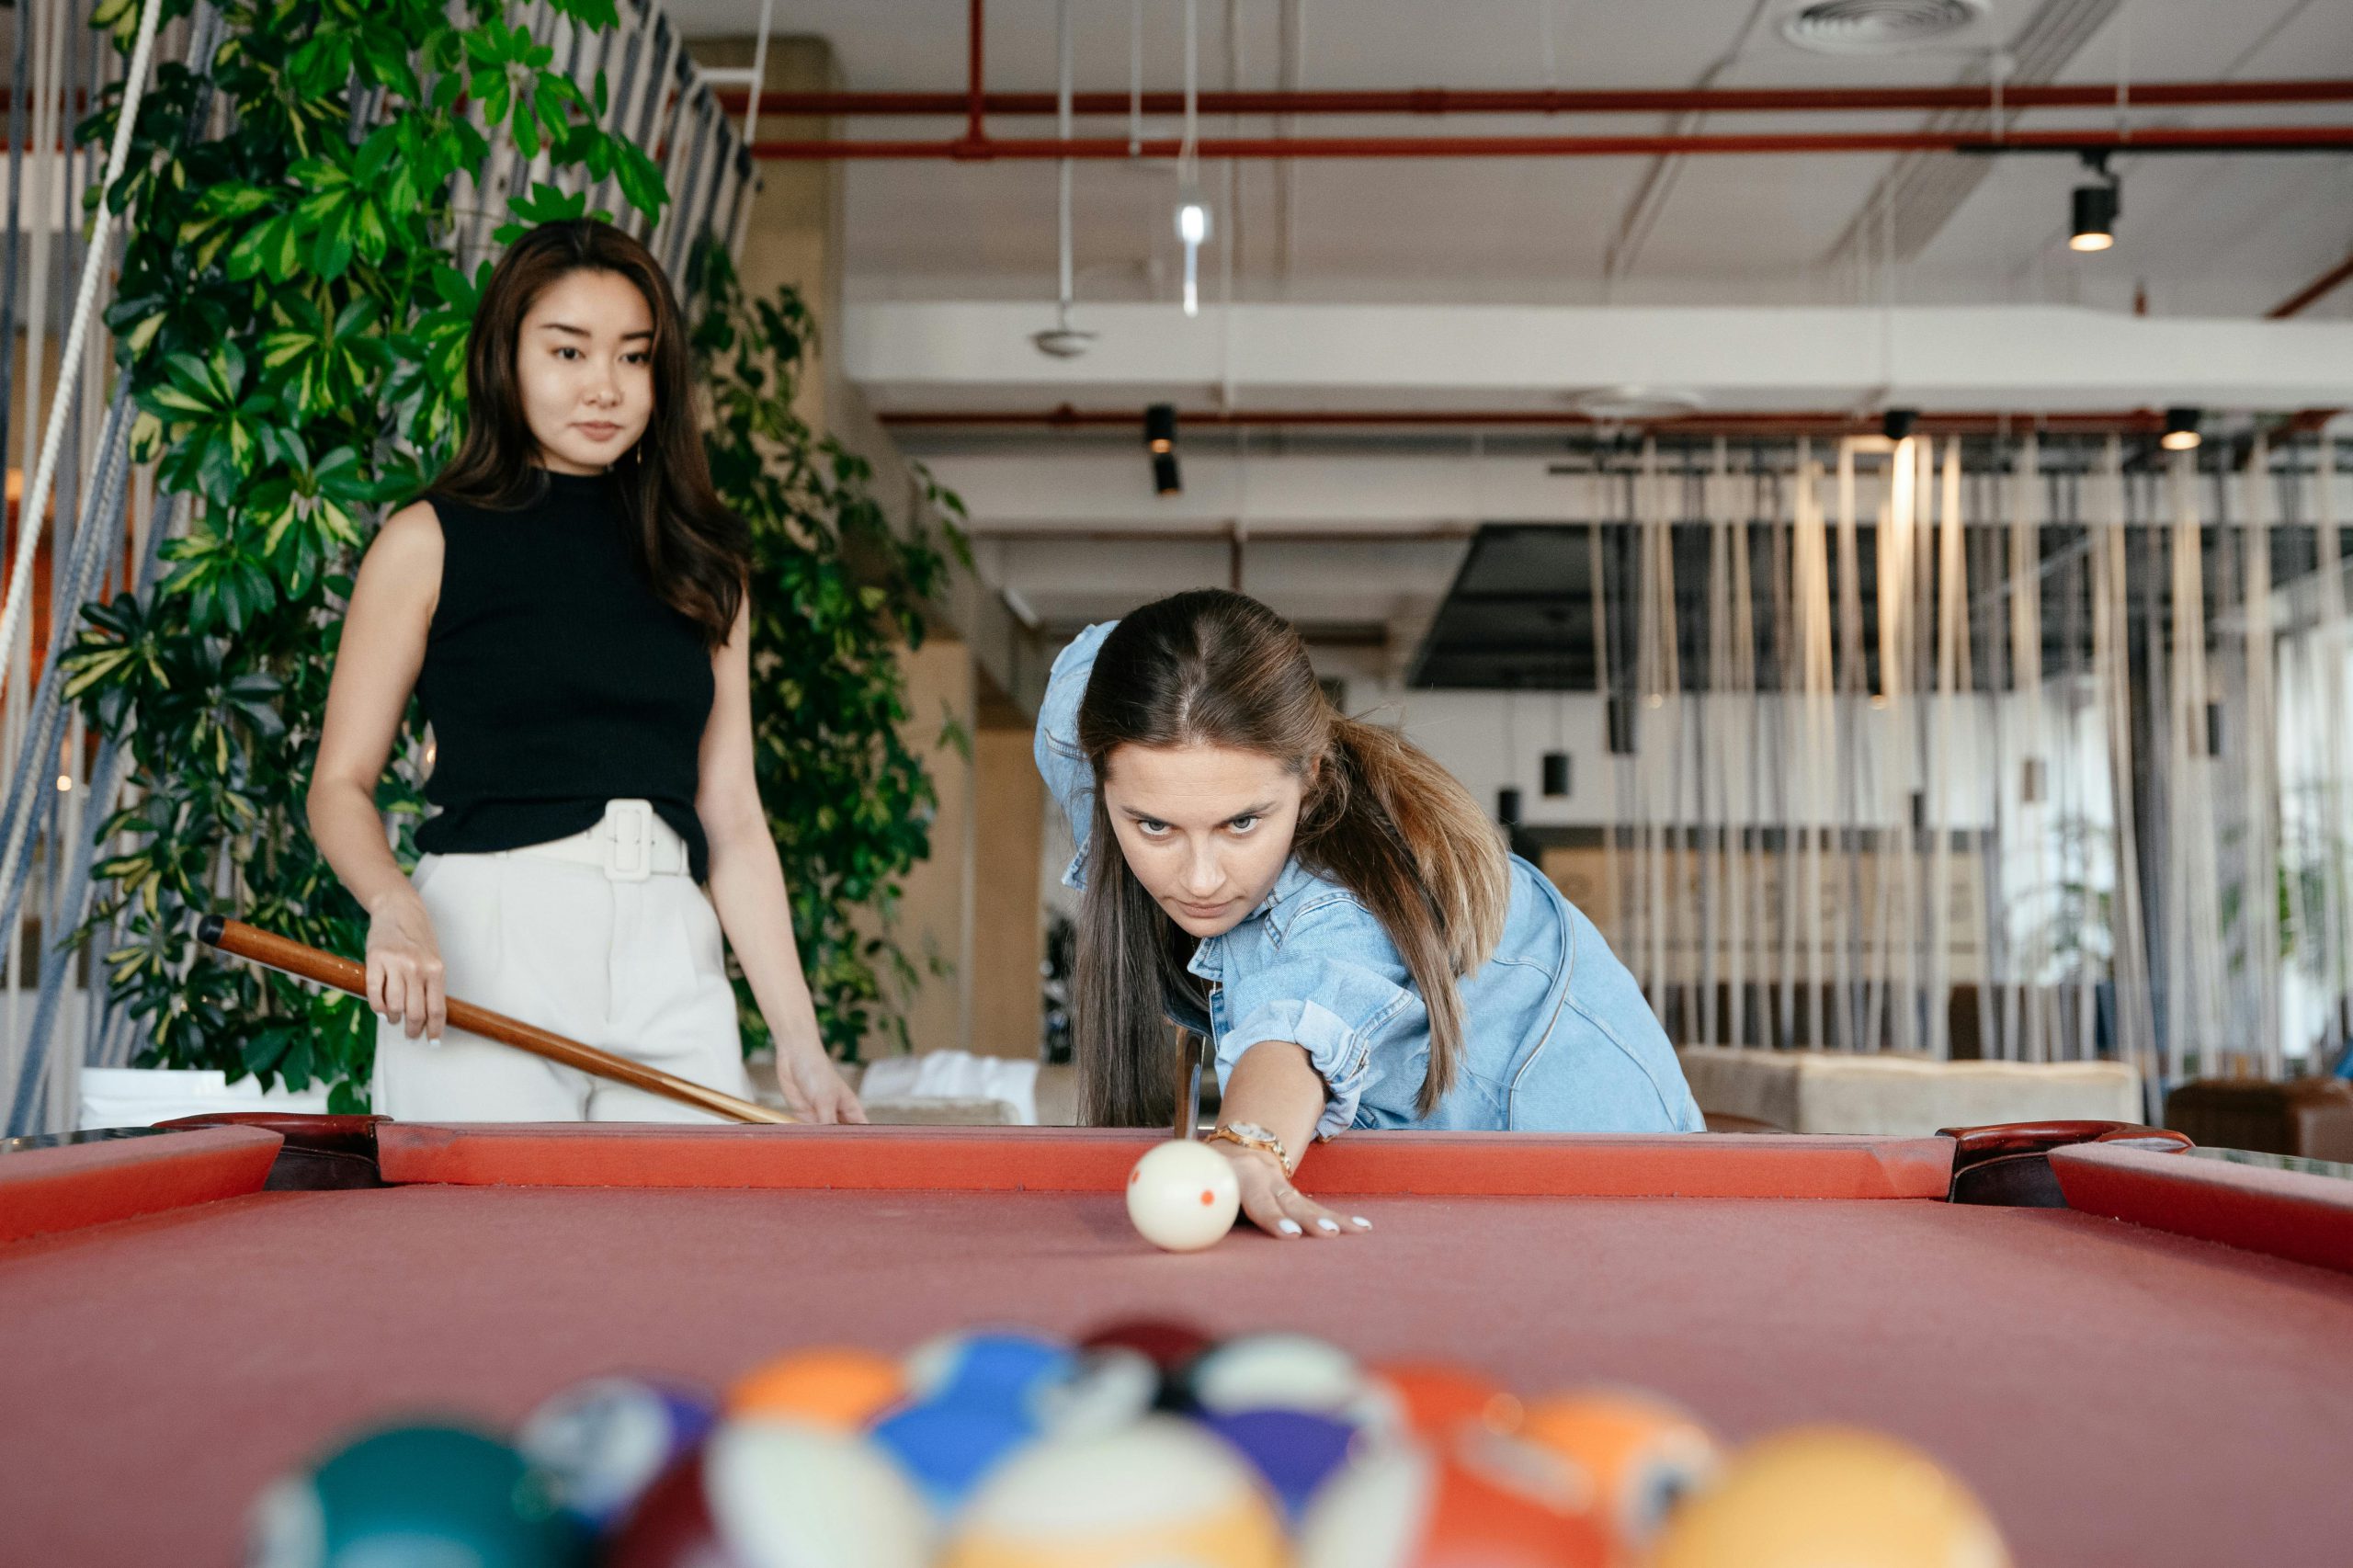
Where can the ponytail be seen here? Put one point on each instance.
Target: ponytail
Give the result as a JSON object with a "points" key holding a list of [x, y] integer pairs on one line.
{"points": [[1403, 835]]}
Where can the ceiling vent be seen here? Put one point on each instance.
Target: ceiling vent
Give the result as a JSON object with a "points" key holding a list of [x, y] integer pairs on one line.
{"points": [[1879, 27]]}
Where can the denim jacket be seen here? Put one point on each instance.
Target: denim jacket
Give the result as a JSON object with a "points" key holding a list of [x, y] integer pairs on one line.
{"points": [[1559, 1038]]}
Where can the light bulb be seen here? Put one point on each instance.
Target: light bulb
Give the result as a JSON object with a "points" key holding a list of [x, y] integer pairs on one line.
{"points": [[1193, 228]]}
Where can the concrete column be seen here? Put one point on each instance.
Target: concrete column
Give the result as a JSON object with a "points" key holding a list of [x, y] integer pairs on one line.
{"points": [[796, 225], [934, 915], [1008, 921]]}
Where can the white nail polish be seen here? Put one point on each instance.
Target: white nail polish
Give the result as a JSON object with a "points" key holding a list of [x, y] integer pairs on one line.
{"points": [[1289, 1228], [1361, 1223], [434, 1040], [1327, 1227]]}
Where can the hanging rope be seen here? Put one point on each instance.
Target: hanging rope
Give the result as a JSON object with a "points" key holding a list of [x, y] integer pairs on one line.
{"points": [[2332, 653], [2259, 904], [36, 501]]}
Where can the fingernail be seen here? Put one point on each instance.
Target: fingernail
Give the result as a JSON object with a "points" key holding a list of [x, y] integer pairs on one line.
{"points": [[435, 1042], [382, 1019], [1327, 1227], [1361, 1223], [1289, 1228]]}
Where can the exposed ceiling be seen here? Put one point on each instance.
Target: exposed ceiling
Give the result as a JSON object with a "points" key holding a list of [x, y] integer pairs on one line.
{"points": [[2207, 234], [1068, 520]]}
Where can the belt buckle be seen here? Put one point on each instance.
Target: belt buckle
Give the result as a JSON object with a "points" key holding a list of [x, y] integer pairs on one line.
{"points": [[628, 852]]}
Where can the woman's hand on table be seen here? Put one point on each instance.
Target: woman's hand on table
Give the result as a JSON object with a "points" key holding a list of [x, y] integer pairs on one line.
{"points": [[405, 983], [1277, 1208], [814, 1090]]}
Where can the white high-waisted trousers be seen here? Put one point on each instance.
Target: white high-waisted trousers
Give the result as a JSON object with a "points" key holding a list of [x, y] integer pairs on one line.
{"points": [[633, 966]]}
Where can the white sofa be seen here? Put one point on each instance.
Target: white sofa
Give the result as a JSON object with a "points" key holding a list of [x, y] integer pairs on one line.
{"points": [[140, 1097]]}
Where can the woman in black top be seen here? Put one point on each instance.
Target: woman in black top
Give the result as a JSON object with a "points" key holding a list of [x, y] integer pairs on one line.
{"points": [[569, 602]]}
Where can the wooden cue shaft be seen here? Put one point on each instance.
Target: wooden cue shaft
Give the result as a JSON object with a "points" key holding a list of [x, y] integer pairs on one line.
{"points": [[304, 962]]}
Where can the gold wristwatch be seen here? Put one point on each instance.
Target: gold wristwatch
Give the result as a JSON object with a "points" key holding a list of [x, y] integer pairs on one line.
{"points": [[1250, 1135]]}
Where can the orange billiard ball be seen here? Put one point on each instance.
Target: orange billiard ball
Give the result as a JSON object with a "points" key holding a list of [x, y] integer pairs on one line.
{"points": [[836, 1387], [1644, 1453]]}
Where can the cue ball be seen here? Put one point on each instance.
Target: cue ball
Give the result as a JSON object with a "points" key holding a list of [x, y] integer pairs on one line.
{"points": [[1182, 1195], [1819, 1494]]}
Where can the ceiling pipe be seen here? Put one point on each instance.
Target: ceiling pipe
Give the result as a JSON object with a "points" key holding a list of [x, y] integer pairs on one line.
{"points": [[1828, 422], [2312, 292], [1635, 100], [2145, 140], [975, 94]]}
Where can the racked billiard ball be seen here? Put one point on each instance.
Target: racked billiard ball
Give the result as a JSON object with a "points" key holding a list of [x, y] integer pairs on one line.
{"points": [[777, 1493], [602, 1442], [414, 1493], [1159, 1493], [1817, 1494]]}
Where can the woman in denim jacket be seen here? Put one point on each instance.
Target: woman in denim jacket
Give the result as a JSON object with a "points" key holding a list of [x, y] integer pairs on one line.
{"points": [[1324, 903]]}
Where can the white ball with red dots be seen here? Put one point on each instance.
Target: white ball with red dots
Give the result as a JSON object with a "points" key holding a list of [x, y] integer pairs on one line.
{"points": [[1182, 1195]]}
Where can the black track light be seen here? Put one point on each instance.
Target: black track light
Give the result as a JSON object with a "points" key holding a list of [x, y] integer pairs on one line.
{"points": [[1159, 428], [1556, 775], [1896, 423], [1165, 478], [2096, 209], [2181, 430], [1507, 806]]}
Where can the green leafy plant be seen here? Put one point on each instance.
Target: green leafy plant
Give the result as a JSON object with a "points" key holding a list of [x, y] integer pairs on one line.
{"points": [[292, 329], [836, 591]]}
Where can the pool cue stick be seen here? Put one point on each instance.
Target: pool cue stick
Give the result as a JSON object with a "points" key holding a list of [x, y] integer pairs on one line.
{"points": [[1188, 1084], [289, 957]]}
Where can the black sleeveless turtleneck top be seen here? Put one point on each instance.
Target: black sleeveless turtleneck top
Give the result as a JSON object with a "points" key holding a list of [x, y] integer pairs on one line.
{"points": [[555, 677]]}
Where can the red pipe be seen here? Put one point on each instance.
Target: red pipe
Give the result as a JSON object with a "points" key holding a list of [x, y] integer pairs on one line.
{"points": [[975, 98], [1634, 100], [1791, 423], [2218, 139], [2317, 288]]}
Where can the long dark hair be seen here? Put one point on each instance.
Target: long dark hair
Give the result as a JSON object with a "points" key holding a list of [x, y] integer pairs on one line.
{"points": [[1379, 818], [696, 552]]}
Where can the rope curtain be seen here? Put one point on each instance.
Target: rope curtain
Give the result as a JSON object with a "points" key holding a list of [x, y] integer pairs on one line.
{"points": [[2031, 749]]}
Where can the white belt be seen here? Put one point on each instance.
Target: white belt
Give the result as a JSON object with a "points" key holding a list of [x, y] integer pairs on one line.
{"points": [[631, 845]]}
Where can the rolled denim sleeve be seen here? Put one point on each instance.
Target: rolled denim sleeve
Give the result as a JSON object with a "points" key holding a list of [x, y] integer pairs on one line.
{"points": [[1337, 990], [1059, 762]]}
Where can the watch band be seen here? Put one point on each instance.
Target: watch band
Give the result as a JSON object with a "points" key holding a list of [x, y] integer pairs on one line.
{"points": [[1250, 1135]]}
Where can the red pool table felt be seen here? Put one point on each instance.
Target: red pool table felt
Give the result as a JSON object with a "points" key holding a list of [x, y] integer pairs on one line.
{"points": [[2118, 1392]]}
